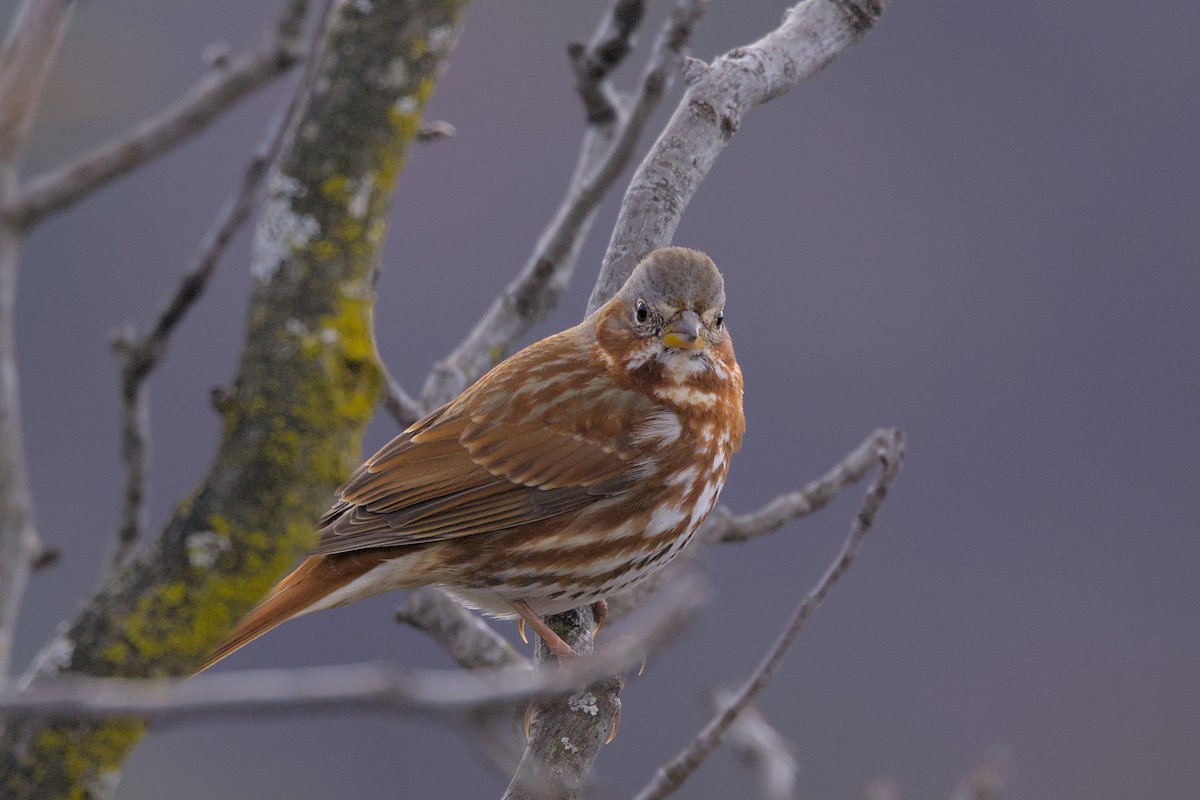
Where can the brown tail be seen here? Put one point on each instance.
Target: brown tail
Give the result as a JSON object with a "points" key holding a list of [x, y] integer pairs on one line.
{"points": [[300, 592]]}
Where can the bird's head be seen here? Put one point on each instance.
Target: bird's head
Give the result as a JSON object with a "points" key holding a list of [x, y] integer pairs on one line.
{"points": [[671, 311]]}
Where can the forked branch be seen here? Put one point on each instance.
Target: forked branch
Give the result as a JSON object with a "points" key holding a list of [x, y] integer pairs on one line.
{"points": [[607, 148], [812, 34], [228, 82], [139, 356]]}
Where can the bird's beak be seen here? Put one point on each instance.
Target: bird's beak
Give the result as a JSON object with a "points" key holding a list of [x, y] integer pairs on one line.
{"points": [[684, 332]]}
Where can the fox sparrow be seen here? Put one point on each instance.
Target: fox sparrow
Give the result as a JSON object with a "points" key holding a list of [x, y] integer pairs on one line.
{"points": [[573, 470]]}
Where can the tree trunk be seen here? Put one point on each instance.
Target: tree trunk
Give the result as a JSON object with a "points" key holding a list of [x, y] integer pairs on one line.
{"points": [[294, 417]]}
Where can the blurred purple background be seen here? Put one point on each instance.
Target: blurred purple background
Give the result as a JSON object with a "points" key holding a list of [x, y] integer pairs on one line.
{"points": [[981, 224]]}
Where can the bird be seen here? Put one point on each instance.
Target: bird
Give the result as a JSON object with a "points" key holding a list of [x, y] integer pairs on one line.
{"points": [[575, 469]]}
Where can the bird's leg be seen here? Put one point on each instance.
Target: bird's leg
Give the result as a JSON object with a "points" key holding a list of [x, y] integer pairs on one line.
{"points": [[552, 639], [599, 616]]}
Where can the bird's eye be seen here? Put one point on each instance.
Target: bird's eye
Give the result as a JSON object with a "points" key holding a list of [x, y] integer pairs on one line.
{"points": [[720, 320], [642, 312]]}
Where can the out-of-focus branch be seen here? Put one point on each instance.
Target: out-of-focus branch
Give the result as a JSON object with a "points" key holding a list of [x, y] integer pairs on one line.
{"points": [[402, 406], [763, 750], [812, 33], [138, 357], [724, 526], [985, 782], [474, 645], [607, 148], [228, 83], [469, 640], [366, 686], [435, 130], [25, 60], [20, 545], [671, 775]]}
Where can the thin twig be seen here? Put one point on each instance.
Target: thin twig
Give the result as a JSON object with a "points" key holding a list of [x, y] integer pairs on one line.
{"points": [[228, 83], [723, 526], [812, 33], [25, 60], [28, 53], [763, 749], [671, 775], [139, 357], [370, 687], [594, 61], [536, 290], [19, 541]]}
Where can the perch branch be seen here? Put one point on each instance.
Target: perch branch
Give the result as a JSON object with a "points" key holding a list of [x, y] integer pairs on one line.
{"points": [[225, 85], [671, 775], [812, 33], [608, 146]]}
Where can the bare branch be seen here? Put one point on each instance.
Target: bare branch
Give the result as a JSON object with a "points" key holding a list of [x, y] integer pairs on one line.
{"points": [[812, 33], [607, 148], [763, 749], [723, 526], [228, 83], [468, 639], [364, 686], [25, 61], [139, 357], [19, 542], [566, 733], [473, 644], [671, 775], [593, 62]]}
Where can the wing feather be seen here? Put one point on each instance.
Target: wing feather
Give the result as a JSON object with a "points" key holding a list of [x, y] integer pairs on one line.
{"points": [[490, 461]]}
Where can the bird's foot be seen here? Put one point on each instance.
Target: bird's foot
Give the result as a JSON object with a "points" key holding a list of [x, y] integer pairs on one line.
{"points": [[554, 642], [599, 616]]}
